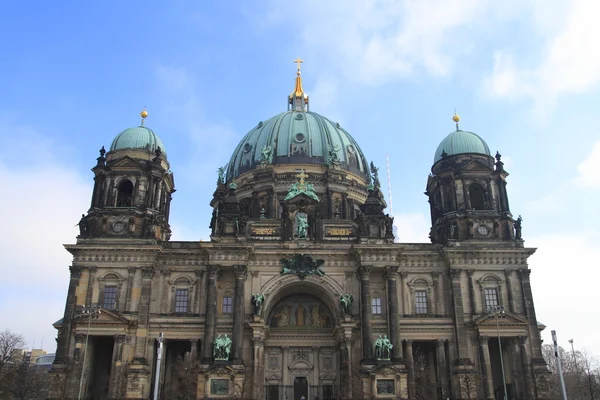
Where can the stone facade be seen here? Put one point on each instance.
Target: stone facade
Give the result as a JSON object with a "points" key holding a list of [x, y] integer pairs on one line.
{"points": [[289, 242]]}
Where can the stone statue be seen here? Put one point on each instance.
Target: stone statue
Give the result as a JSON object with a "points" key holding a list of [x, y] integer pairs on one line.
{"points": [[346, 303], [389, 225], [84, 226], [302, 226], [258, 300], [267, 155], [222, 348], [221, 175], [383, 348], [518, 228]]}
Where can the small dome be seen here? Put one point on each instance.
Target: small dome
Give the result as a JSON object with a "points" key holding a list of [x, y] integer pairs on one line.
{"points": [[139, 137], [461, 142], [297, 137]]}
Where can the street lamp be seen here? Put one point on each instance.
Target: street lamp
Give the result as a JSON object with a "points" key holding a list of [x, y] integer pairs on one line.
{"points": [[90, 312], [498, 312]]}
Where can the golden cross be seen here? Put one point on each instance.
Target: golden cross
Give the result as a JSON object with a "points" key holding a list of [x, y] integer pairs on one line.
{"points": [[298, 61], [301, 176]]}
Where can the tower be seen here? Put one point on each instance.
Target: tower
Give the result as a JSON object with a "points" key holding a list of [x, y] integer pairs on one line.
{"points": [[467, 192], [133, 186]]}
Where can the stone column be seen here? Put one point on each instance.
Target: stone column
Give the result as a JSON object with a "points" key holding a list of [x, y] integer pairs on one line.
{"points": [[410, 364], [193, 350], [143, 313], [210, 319], [534, 333], [392, 277], [437, 287], [130, 276], [459, 317], [442, 367], [65, 332], [365, 304], [404, 291], [509, 290], [90, 289], [117, 382], [526, 366], [472, 292], [241, 273], [488, 383]]}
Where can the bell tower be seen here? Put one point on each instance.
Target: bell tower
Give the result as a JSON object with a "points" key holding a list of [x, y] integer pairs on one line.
{"points": [[133, 188], [467, 192]]}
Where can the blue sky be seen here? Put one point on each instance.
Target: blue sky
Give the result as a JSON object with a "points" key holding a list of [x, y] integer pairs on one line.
{"points": [[523, 75]]}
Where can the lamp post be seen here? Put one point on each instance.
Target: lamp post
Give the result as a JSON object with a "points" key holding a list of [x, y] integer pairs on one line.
{"points": [[90, 312], [498, 312]]}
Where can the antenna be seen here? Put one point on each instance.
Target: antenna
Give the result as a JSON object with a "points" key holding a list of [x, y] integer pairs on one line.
{"points": [[387, 163]]}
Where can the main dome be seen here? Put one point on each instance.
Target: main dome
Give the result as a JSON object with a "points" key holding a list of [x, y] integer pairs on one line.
{"points": [[461, 142], [297, 137], [139, 137]]}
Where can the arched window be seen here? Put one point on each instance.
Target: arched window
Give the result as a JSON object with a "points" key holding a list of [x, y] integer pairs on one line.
{"points": [[125, 193], [477, 197]]}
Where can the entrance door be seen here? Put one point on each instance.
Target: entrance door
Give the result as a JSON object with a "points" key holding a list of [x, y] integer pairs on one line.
{"points": [[300, 388]]}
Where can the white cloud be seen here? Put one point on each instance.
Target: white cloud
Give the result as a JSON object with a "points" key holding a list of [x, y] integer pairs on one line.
{"points": [[43, 203], [412, 228], [378, 41], [564, 277], [589, 169], [569, 61]]}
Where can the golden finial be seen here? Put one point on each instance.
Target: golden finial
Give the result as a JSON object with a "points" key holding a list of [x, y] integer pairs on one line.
{"points": [[144, 115], [456, 118]]}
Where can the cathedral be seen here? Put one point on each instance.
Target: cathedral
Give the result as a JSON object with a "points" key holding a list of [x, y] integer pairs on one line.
{"points": [[302, 291]]}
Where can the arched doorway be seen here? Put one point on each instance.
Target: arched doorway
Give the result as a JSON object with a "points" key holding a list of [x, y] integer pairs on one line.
{"points": [[301, 353]]}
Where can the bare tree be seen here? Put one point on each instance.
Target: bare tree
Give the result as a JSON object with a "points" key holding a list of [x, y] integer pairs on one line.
{"points": [[9, 342]]}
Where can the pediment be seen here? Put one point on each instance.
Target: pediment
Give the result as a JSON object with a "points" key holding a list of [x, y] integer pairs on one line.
{"points": [[508, 320], [107, 317], [476, 166], [125, 162]]}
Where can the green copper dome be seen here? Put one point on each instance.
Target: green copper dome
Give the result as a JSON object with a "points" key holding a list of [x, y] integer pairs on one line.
{"points": [[297, 137], [461, 142], [139, 137]]}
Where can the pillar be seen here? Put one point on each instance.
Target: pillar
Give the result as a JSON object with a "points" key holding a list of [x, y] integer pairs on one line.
{"points": [[143, 313], [472, 292], [459, 317], [488, 383], [65, 331], [210, 318], [526, 366], [509, 290], [241, 273], [391, 276], [442, 368], [410, 363], [90, 288], [365, 295]]}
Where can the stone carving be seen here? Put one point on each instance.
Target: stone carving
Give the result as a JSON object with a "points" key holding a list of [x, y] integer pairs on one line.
{"points": [[383, 348], [346, 303], [518, 228], [258, 300], [222, 348], [221, 175], [302, 225], [301, 187], [266, 155], [84, 226], [302, 265]]}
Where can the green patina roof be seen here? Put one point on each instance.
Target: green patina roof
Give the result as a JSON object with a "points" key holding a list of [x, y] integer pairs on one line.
{"points": [[461, 142], [297, 137], [139, 137]]}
